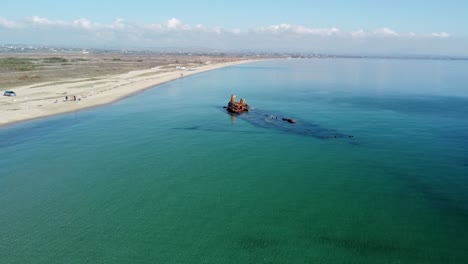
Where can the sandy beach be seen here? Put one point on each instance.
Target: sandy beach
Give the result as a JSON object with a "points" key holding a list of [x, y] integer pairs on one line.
{"points": [[51, 98]]}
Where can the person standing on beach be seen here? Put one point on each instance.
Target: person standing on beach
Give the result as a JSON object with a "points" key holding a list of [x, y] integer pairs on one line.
{"points": [[66, 98], [74, 98]]}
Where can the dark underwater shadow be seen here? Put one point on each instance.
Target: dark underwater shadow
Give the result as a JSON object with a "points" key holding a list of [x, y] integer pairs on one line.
{"points": [[285, 124], [199, 128], [278, 123]]}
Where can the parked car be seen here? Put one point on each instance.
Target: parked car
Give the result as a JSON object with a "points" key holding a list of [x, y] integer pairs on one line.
{"points": [[9, 93]]}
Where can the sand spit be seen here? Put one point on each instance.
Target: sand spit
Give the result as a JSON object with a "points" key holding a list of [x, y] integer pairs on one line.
{"points": [[52, 98]]}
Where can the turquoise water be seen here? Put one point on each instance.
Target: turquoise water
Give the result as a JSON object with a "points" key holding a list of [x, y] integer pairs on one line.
{"points": [[167, 177]]}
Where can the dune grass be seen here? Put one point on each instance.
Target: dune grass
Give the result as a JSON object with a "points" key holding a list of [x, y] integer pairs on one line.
{"points": [[16, 64], [55, 60]]}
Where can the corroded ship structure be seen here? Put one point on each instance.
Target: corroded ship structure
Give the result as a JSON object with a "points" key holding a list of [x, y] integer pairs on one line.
{"points": [[237, 107]]}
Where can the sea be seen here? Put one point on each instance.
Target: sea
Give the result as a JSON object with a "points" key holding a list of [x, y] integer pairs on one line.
{"points": [[168, 176]]}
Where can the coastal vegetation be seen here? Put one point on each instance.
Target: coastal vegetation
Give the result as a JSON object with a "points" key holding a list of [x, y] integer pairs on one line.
{"points": [[16, 64], [12, 64], [19, 69], [55, 60], [79, 59]]}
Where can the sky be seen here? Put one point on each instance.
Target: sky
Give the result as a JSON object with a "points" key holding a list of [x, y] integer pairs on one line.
{"points": [[333, 26]]}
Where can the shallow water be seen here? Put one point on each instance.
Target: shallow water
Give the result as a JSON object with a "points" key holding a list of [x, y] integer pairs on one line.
{"points": [[167, 176]]}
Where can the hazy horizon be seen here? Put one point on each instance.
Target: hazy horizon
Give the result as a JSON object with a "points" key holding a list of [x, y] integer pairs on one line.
{"points": [[417, 28]]}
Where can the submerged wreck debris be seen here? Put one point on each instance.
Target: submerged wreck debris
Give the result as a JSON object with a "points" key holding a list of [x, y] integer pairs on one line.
{"points": [[290, 120], [263, 119]]}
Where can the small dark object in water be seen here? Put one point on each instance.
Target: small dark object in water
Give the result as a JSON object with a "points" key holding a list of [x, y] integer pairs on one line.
{"points": [[224, 107], [290, 120]]}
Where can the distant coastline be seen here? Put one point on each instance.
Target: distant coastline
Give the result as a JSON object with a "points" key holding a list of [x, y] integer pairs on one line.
{"points": [[27, 49]]}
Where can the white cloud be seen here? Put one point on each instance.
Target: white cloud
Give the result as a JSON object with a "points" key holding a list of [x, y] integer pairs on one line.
{"points": [[441, 35], [277, 28], [152, 27], [287, 28], [236, 31], [358, 33], [173, 23], [42, 21], [119, 23], [85, 24], [81, 23], [386, 32], [173, 32], [217, 30], [8, 23]]}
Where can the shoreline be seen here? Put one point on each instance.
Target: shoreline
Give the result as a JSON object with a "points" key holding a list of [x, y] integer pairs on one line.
{"points": [[42, 100]]}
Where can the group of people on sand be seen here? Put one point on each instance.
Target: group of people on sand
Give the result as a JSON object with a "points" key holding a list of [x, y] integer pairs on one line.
{"points": [[74, 98], [70, 98]]}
